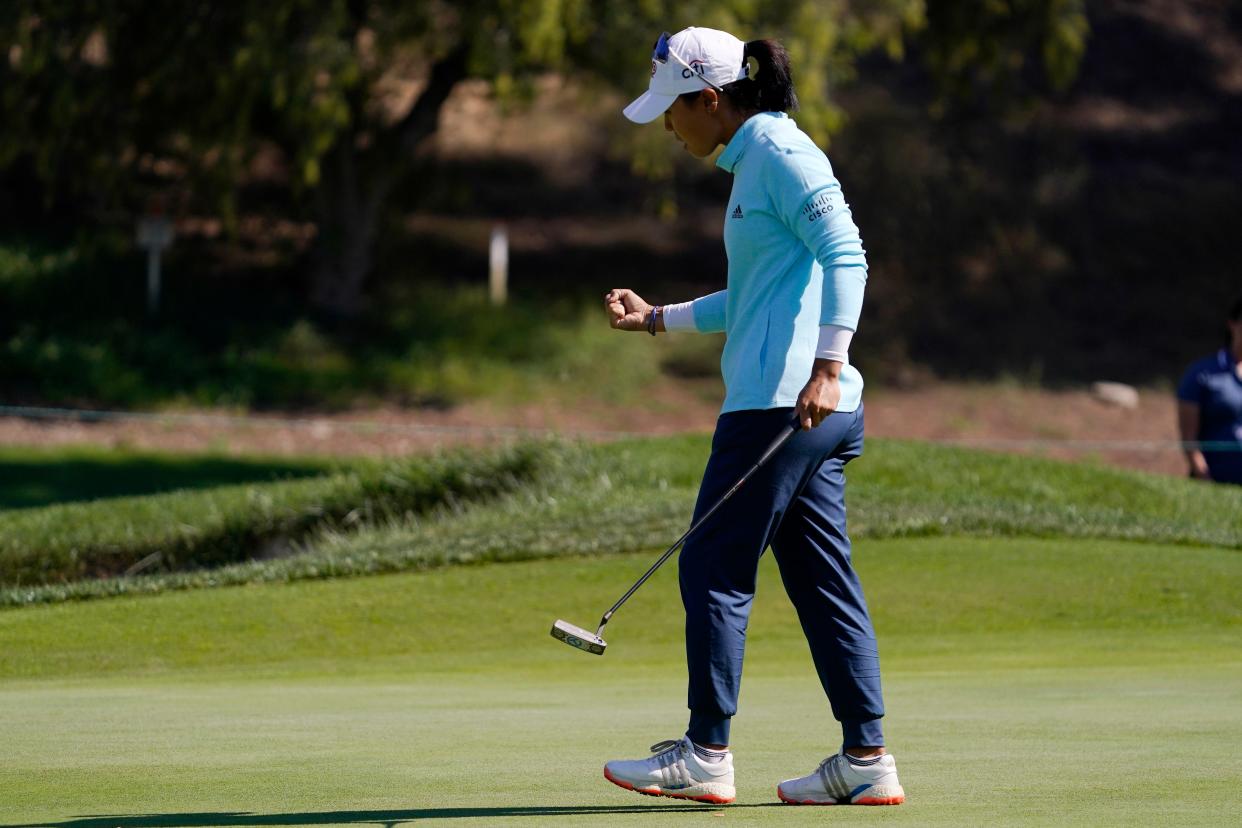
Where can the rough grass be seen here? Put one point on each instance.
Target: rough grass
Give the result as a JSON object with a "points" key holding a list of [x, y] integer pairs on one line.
{"points": [[194, 530], [638, 494]]}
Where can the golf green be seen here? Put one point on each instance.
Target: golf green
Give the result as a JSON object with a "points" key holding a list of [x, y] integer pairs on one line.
{"points": [[1028, 682]]}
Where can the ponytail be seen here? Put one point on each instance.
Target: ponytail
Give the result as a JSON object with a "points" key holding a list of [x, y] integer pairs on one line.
{"points": [[768, 85]]}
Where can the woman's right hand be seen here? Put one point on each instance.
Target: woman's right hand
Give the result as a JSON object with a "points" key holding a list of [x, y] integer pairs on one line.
{"points": [[626, 310]]}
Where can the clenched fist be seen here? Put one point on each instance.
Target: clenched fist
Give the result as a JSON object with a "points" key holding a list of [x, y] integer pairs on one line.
{"points": [[626, 310]]}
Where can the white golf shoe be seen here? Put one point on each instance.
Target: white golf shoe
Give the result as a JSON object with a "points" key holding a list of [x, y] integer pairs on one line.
{"points": [[837, 781], [676, 770]]}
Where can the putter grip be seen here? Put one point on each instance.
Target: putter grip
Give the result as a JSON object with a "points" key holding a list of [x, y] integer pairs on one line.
{"points": [[790, 430]]}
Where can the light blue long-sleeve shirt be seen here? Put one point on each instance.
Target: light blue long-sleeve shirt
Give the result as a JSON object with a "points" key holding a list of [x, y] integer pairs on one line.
{"points": [[796, 262]]}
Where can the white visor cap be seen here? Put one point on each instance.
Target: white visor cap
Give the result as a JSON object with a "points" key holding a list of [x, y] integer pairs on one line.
{"points": [[697, 59]]}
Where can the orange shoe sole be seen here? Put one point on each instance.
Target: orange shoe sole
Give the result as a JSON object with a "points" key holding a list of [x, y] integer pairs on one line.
{"points": [[711, 799], [868, 800]]}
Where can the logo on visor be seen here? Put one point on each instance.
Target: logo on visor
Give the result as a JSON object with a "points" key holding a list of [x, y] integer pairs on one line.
{"points": [[653, 68]]}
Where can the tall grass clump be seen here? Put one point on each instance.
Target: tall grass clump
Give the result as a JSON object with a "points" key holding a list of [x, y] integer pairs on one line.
{"points": [[638, 494], [188, 530]]}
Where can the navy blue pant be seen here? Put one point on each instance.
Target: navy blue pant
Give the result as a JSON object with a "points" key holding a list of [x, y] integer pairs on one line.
{"points": [[796, 505]]}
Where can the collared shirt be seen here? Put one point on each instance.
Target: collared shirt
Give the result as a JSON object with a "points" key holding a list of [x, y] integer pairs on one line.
{"points": [[796, 262], [1213, 384]]}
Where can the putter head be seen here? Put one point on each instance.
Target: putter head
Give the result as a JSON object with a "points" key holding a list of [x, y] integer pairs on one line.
{"points": [[577, 637]]}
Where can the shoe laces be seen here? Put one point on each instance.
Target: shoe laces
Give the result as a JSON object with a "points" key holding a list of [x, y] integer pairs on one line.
{"points": [[667, 745]]}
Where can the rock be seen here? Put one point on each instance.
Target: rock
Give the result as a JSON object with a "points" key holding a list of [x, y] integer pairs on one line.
{"points": [[1116, 393]]}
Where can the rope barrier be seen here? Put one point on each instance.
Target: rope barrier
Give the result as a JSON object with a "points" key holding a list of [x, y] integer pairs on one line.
{"points": [[241, 421], [374, 426], [1091, 445]]}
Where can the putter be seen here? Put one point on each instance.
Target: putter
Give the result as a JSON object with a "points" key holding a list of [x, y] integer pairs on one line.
{"points": [[593, 642]]}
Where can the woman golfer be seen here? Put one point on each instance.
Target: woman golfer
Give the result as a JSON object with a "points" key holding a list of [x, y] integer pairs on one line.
{"points": [[797, 271]]}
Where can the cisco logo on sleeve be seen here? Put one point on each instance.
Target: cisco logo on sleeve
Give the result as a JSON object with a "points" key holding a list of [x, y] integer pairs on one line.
{"points": [[818, 207]]}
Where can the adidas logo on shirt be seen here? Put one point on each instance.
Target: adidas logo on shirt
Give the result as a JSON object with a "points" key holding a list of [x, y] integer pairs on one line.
{"points": [[737, 211]]}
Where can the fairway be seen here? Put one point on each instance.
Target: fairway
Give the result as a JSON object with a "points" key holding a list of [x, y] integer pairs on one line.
{"points": [[1011, 666]]}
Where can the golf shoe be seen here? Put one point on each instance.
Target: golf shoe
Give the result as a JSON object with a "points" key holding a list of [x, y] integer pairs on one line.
{"points": [[675, 770], [837, 781]]}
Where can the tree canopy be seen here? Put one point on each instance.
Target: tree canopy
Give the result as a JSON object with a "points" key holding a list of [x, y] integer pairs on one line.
{"points": [[105, 100]]}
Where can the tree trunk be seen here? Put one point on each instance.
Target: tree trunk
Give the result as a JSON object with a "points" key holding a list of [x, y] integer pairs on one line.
{"points": [[355, 187], [343, 254]]}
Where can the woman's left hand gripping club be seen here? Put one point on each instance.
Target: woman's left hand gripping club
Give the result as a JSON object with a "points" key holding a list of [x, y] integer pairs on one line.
{"points": [[821, 395]]}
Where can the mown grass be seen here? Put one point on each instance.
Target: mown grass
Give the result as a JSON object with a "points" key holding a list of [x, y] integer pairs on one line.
{"points": [[638, 494], [31, 477], [440, 695], [202, 529], [927, 595]]}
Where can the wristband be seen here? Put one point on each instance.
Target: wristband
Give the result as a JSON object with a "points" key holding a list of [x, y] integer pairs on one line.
{"points": [[834, 343], [678, 317], [651, 323]]}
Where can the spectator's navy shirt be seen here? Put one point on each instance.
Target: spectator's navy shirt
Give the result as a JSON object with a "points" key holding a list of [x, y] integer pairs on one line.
{"points": [[1213, 384]]}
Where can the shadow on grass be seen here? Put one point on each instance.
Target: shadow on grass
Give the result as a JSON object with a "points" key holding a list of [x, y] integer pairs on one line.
{"points": [[387, 818], [31, 480]]}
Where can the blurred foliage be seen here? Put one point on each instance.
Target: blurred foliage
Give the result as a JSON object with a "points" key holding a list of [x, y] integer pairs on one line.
{"points": [[110, 102], [993, 54], [94, 93], [988, 228], [82, 338]]}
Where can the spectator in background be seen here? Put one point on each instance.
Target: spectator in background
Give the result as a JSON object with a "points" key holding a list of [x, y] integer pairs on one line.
{"points": [[1209, 408]]}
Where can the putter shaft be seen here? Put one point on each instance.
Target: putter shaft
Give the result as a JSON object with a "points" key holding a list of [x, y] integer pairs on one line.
{"points": [[774, 447]]}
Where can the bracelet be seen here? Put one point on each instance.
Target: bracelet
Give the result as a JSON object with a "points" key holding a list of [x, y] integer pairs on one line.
{"points": [[651, 323]]}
